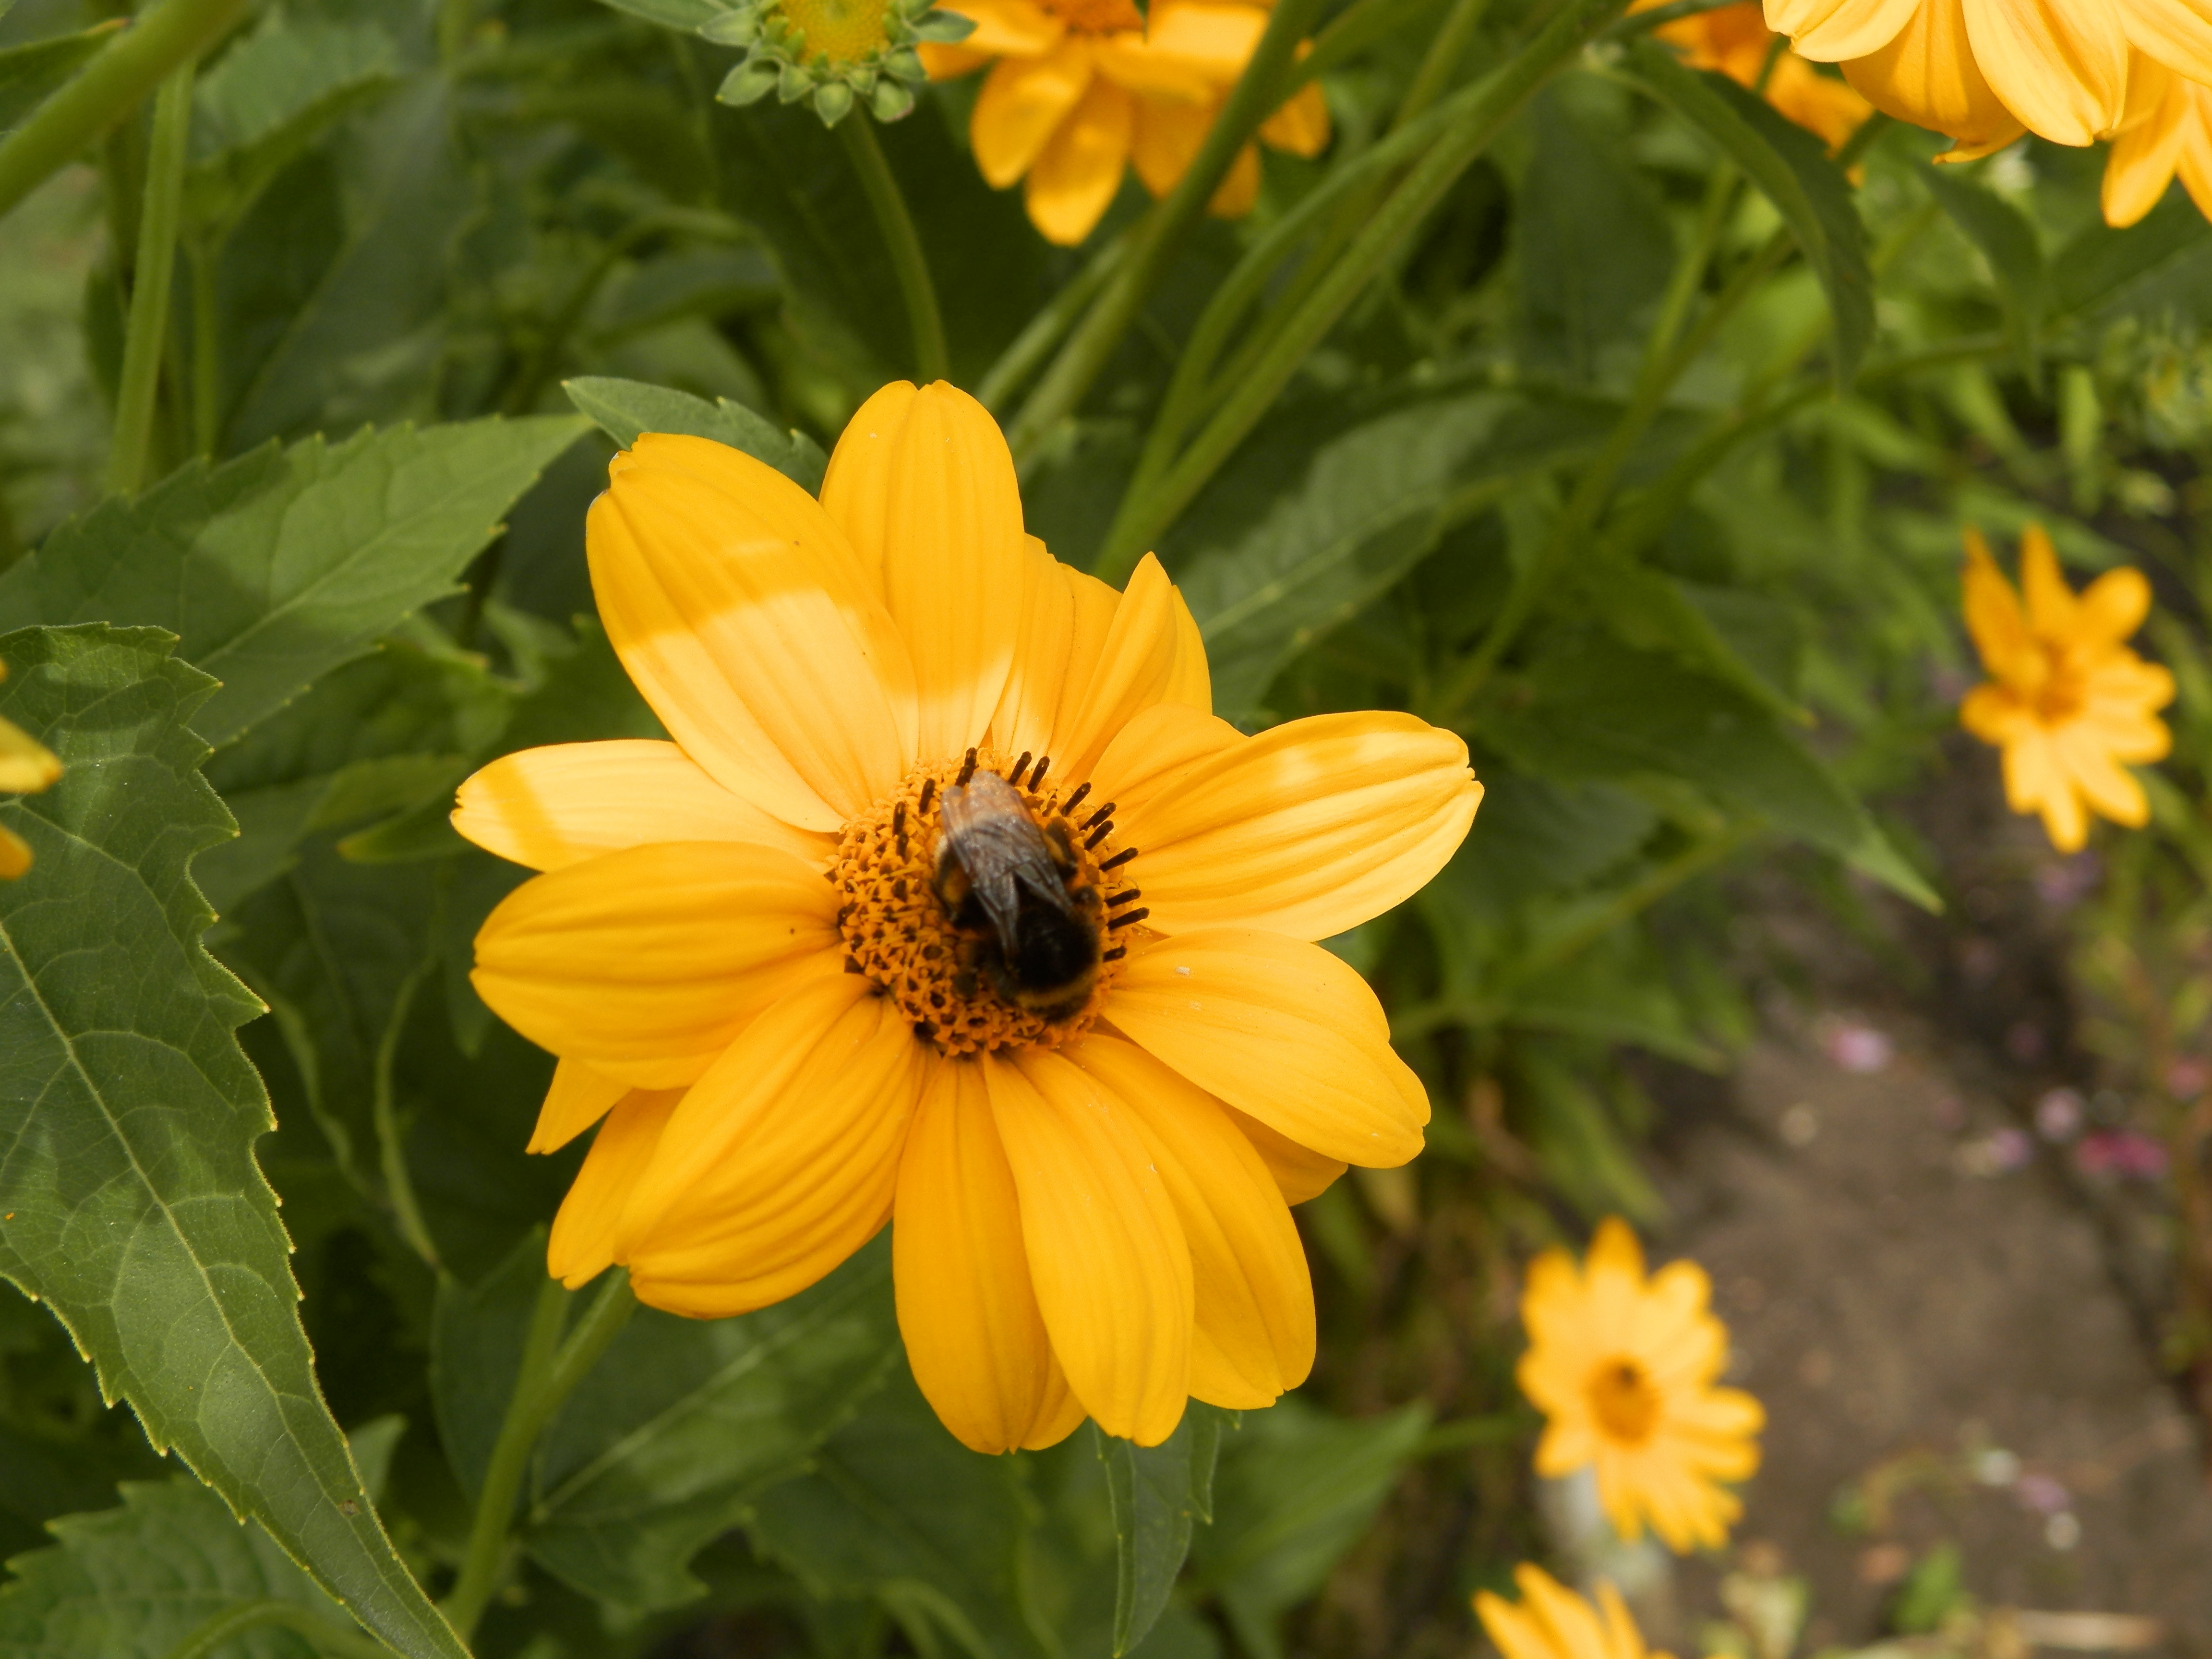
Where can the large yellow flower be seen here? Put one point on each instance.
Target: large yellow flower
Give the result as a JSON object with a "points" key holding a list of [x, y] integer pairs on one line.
{"points": [[1083, 87], [2167, 130], [2067, 701], [1550, 1621], [1622, 1369], [752, 949], [1735, 40], [27, 767]]}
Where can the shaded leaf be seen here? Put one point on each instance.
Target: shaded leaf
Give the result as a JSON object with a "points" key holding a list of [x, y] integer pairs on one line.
{"points": [[130, 1201], [31, 72], [2008, 242], [1156, 1493], [2159, 259], [276, 568], [624, 408]]}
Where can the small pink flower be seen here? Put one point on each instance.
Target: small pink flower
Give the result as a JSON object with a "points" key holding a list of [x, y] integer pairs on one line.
{"points": [[2188, 1077], [2059, 1113], [1855, 1047], [2041, 1494]]}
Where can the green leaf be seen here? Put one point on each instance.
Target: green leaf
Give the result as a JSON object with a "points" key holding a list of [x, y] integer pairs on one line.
{"points": [[1596, 711], [895, 1510], [477, 1337], [1297, 1489], [31, 72], [685, 15], [2160, 258], [1792, 171], [685, 1422], [2010, 243], [1156, 1493], [624, 408], [269, 97], [132, 1582], [1654, 610], [129, 1200], [1594, 248], [276, 568], [1540, 836], [1369, 506]]}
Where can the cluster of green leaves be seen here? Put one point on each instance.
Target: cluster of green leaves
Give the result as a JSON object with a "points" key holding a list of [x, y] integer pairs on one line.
{"points": [[1635, 452]]}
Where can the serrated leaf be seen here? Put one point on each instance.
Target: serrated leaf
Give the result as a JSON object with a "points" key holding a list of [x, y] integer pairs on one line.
{"points": [[131, 1582], [2010, 243], [685, 1421], [271, 96], [276, 568], [1156, 1493], [31, 72], [624, 408], [129, 1200], [1791, 170]]}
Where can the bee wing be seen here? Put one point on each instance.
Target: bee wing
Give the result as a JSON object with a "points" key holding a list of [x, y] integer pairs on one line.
{"points": [[988, 827]]}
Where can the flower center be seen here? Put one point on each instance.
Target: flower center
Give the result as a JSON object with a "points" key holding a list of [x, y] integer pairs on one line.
{"points": [[2063, 690], [1097, 16], [1623, 1402], [989, 903], [839, 31]]}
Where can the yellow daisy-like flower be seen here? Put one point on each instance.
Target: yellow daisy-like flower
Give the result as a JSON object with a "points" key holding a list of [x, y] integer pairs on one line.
{"points": [[2167, 130], [27, 767], [1622, 1367], [952, 905], [2066, 702], [1081, 88], [1550, 1621], [1735, 40]]}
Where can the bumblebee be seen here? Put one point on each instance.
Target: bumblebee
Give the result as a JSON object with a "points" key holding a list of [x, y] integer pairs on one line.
{"points": [[1030, 923]]}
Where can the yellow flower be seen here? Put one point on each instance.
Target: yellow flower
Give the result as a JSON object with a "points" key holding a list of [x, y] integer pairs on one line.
{"points": [[1081, 88], [1551, 1621], [2066, 700], [1623, 1369], [1735, 40], [2168, 129], [750, 949], [27, 767]]}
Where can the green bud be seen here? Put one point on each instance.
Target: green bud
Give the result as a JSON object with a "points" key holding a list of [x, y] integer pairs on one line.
{"points": [[906, 64], [793, 83], [891, 101], [740, 28], [947, 27], [833, 102], [748, 82]]}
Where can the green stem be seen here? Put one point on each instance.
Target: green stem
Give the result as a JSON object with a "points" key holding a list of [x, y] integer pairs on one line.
{"points": [[1351, 30], [150, 280], [320, 1633], [1442, 60], [904, 243], [110, 86], [1491, 103], [207, 352], [549, 1372], [1159, 237], [1027, 354], [390, 1142]]}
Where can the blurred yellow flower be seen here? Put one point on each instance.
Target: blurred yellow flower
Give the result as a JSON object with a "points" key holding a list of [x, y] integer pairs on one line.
{"points": [[953, 905], [1082, 88], [27, 768], [1735, 40], [1623, 1369], [2168, 129], [1550, 1621], [2066, 702]]}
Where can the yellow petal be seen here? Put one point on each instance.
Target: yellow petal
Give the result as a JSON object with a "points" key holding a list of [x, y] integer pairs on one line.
{"points": [[2061, 68], [2111, 607], [1995, 620], [2111, 791], [1105, 1249], [1024, 102], [2148, 147], [1028, 706], [586, 1232], [26, 766], [1300, 1172], [2195, 164], [1215, 40], [578, 1098], [1136, 65], [1075, 177], [2050, 601], [645, 963], [15, 855], [1191, 684], [1159, 748], [1280, 1029], [1166, 139], [744, 617], [1926, 74], [1238, 192], [966, 1307], [923, 485], [551, 807], [1254, 1337], [1831, 30], [1135, 669], [1015, 28], [1300, 125], [1308, 829], [782, 1159], [2176, 33]]}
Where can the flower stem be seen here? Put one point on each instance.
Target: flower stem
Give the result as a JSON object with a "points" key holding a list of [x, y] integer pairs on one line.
{"points": [[1159, 237], [108, 88], [320, 1634], [908, 265], [151, 298], [550, 1370]]}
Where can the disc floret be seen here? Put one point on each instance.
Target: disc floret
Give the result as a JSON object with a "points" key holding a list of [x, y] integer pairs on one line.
{"points": [[834, 53]]}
